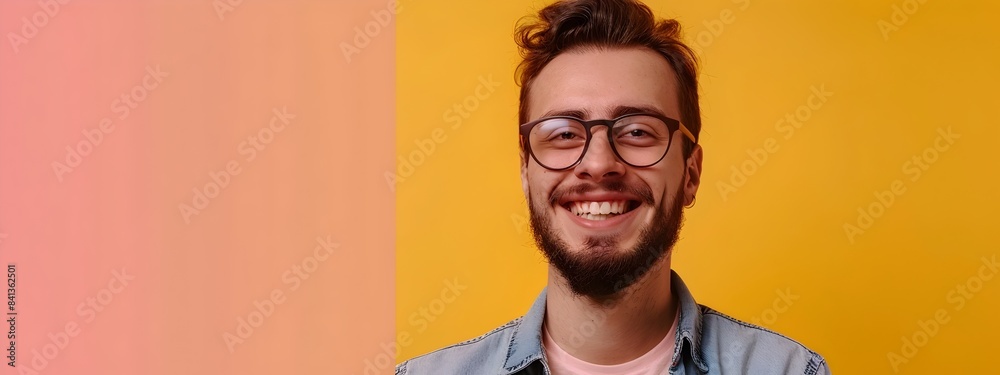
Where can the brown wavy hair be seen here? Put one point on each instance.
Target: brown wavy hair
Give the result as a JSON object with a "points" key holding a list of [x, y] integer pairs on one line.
{"points": [[569, 24]]}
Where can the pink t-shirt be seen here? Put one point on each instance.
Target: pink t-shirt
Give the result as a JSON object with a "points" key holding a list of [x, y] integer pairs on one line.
{"points": [[656, 361]]}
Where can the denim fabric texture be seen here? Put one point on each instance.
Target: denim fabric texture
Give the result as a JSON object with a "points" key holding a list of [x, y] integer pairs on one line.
{"points": [[708, 342]]}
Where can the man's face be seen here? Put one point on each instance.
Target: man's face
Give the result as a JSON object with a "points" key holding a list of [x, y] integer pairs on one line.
{"points": [[601, 255]]}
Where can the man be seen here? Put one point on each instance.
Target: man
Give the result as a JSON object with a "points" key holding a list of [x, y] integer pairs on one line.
{"points": [[610, 157]]}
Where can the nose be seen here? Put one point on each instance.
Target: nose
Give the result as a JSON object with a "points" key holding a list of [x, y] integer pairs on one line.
{"points": [[599, 162]]}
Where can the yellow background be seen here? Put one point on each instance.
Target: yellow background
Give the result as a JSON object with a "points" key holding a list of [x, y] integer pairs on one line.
{"points": [[461, 214]]}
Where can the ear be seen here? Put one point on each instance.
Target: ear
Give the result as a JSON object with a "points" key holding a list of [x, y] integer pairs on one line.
{"points": [[692, 175]]}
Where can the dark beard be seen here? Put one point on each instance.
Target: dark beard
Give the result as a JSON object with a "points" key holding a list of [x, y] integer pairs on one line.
{"points": [[602, 270]]}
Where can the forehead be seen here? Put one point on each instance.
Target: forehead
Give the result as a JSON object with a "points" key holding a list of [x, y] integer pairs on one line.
{"points": [[596, 80]]}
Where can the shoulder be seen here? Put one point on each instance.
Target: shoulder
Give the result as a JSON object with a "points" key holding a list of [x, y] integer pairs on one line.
{"points": [[731, 344], [483, 354]]}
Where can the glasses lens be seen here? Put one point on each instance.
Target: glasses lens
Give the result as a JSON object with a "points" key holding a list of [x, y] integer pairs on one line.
{"points": [[558, 143], [641, 140]]}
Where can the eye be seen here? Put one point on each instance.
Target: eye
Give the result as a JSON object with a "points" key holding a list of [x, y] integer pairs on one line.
{"points": [[640, 131], [637, 133], [566, 135], [560, 130]]}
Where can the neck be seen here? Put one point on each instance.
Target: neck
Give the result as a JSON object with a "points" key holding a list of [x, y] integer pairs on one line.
{"points": [[616, 330]]}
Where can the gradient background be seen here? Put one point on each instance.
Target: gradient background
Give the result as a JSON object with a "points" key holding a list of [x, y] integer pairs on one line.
{"points": [[193, 280], [458, 215], [462, 215]]}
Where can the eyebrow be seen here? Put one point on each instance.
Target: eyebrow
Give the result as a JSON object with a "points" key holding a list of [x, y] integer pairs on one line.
{"points": [[623, 110], [616, 111]]}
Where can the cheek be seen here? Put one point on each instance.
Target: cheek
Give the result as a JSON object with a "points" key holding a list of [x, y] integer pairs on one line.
{"points": [[541, 183], [674, 171], [663, 183], [533, 180]]}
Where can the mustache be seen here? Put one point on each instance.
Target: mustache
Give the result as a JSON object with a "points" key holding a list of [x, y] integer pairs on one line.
{"points": [[645, 195]]}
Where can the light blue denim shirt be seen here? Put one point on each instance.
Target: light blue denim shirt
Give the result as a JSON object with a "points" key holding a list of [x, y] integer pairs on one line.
{"points": [[708, 342]]}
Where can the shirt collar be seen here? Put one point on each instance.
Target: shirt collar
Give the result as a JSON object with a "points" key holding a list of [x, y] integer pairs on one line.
{"points": [[689, 324], [525, 345]]}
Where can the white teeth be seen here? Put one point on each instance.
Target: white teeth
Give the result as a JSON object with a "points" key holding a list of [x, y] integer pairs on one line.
{"points": [[621, 206], [598, 210]]}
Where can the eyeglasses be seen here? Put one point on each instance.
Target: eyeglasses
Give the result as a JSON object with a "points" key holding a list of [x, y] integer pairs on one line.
{"points": [[640, 140]]}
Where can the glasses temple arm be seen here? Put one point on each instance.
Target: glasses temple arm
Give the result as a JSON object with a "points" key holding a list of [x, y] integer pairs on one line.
{"points": [[687, 132]]}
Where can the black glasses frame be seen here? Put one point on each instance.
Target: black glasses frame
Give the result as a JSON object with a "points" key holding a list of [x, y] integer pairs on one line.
{"points": [[672, 126]]}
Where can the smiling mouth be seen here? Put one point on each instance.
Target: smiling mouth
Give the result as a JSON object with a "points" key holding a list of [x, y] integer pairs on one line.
{"points": [[602, 210]]}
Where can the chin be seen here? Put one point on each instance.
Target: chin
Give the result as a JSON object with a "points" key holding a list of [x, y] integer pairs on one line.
{"points": [[600, 256]]}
